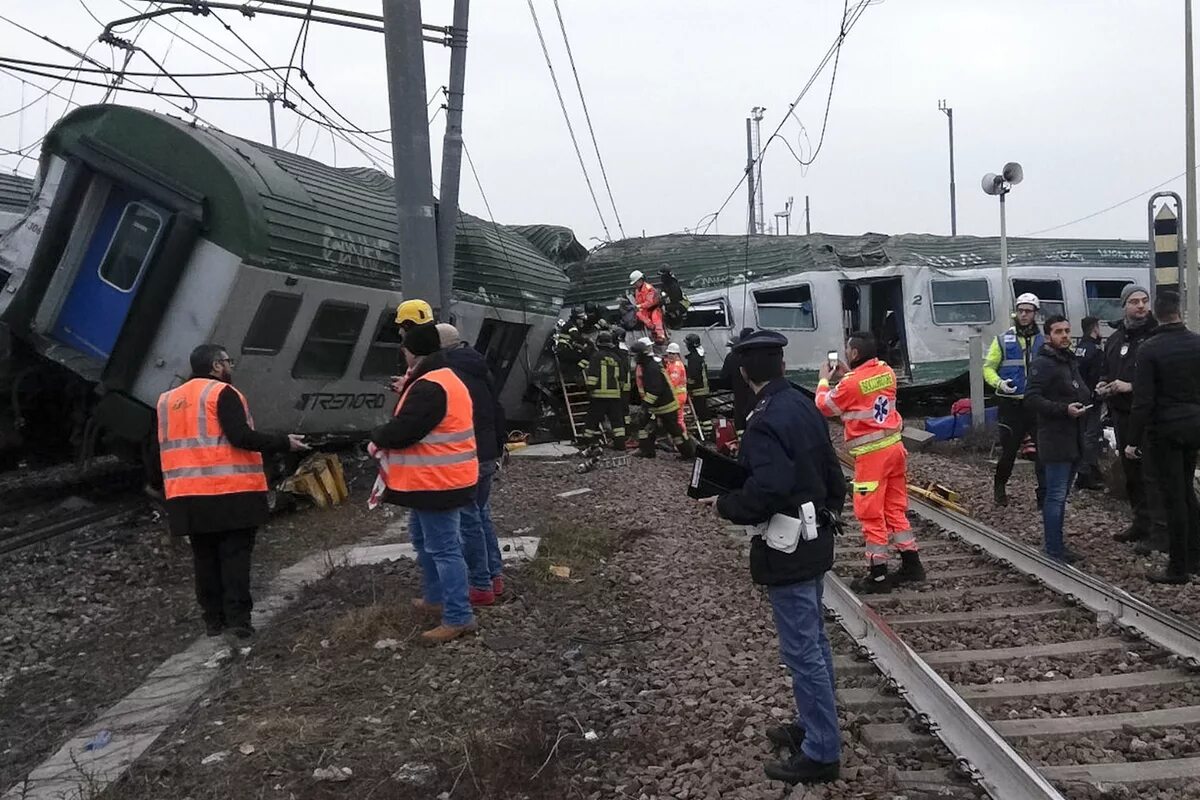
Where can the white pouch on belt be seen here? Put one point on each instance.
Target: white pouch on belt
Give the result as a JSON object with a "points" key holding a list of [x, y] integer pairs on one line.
{"points": [[783, 533]]}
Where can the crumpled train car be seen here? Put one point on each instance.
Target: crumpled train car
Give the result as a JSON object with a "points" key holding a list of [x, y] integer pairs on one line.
{"points": [[147, 235]]}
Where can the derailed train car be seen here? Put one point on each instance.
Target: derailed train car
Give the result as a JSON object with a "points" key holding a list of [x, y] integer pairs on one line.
{"points": [[922, 296], [15, 192], [147, 235]]}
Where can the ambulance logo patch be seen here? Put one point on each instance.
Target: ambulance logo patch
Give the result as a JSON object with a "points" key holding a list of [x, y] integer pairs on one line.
{"points": [[882, 407]]}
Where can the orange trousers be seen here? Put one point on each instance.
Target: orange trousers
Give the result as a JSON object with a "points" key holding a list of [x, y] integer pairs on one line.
{"points": [[652, 319], [881, 501]]}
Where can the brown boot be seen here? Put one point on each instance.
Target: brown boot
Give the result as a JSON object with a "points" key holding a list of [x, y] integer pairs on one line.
{"points": [[422, 605], [447, 633]]}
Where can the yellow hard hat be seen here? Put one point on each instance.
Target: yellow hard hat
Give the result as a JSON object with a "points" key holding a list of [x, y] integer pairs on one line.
{"points": [[417, 312]]}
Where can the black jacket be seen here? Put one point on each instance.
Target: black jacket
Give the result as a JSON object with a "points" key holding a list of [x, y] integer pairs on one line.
{"points": [[472, 369], [1055, 383], [424, 407], [697, 374], [188, 516], [1166, 394], [743, 397], [790, 460], [1120, 360], [1089, 353], [656, 387]]}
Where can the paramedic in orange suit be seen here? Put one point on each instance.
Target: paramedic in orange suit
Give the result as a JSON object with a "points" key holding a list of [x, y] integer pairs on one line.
{"points": [[648, 300], [677, 375], [865, 399]]}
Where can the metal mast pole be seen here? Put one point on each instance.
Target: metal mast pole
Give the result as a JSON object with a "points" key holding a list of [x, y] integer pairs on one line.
{"points": [[1193, 274], [807, 221], [750, 174], [416, 231], [1005, 306], [949, 112], [756, 114], [447, 223], [271, 107]]}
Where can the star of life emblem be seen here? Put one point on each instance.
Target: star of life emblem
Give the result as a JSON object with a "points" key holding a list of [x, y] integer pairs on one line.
{"points": [[882, 407]]}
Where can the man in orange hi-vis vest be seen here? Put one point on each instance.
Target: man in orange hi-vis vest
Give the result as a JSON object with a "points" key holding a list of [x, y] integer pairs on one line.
{"points": [[865, 399], [215, 486], [677, 374]]}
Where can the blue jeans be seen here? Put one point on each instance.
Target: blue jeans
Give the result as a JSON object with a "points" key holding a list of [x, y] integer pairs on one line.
{"points": [[436, 538], [480, 546], [1059, 475], [800, 620]]}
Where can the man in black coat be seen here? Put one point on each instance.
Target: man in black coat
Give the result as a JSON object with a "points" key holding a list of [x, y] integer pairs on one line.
{"points": [[1116, 387], [481, 548], [222, 527], [1166, 413], [791, 466], [1090, 355], [1057, 394]]}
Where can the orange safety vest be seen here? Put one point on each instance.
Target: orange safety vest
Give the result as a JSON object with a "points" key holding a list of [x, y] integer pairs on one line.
{"points": [[196, 457], [677, 375], [865, 399], [445, 459]]}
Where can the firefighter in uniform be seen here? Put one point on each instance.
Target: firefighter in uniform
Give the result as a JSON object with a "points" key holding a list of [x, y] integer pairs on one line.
{"points": [[430, 465], [660, 403], [214, 484], [648, 301], [607, 375], [865, 399], [677, 375], [697, 383], [1006, 369]]}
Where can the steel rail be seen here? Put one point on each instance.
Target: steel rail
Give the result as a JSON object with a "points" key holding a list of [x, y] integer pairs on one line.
{"points": [[38, 533], [993, 763]]}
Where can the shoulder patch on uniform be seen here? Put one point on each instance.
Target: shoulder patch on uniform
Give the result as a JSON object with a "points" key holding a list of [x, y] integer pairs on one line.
{"points": [[877, 383]]}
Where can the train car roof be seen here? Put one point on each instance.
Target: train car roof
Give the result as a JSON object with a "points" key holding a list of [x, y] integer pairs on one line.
{"points": [[283, 211], [709, 262], [15, 192]]}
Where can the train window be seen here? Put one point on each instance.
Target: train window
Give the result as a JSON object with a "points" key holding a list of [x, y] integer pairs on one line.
{"points": [[956, 302], [789, 307], [708, 314], [1049, 292], [131, 246], [501, 343], [384, 359], [330, 341], [271, 323], [1104, 298]]}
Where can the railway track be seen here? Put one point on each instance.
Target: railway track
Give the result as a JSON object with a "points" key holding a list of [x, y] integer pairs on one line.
{"points": [[28, 527], [1043, 681]]}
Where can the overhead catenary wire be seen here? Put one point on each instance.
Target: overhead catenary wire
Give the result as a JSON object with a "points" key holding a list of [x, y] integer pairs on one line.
{"points": [[566, 116], [1106, 209], [588, 117]]}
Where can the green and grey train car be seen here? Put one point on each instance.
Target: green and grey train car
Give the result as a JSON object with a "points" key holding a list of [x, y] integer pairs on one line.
{"points": [[926, 294], [15, 191], [146, 236]]}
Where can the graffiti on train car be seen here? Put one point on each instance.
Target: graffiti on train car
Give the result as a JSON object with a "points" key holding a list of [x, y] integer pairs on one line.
{"points": [[340, 401], [354, 249]]}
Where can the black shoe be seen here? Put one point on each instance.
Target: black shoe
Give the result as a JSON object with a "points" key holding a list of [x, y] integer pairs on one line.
{"points": [[1089, 483], [241, 634], [911, 570], [1168, 577], [1151, 543], [872, 584], [802, 769], [1130, 534], [641, 453], [999, 496], [790, 736], [213, 628], [1067, 556]]}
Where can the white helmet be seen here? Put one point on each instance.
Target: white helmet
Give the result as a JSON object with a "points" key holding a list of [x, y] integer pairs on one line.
{"points": [[635, 276], [1028, 299], [646, 341], [673, 348]]}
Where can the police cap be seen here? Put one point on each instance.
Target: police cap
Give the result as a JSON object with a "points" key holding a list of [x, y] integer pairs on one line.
{"points": [[761, 340]]}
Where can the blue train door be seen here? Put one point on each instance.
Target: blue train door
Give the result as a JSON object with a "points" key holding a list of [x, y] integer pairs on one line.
{"points": [[115, 262]]}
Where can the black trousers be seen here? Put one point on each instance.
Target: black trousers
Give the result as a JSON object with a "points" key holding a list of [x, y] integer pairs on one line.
{"points": [[1016, 422], [1141, 482], [222, 562], [1175, 466], [648, 435], [601, 409]]}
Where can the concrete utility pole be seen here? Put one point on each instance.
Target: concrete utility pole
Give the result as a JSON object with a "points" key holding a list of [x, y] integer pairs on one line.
{"points": [[807, 221], [753, 226], [416, 230], [447, 223], [949, 112], [756, 114], [1193, 273]]}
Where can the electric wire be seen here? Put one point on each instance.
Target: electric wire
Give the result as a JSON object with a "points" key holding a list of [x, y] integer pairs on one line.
{"points": [[837, 55], [102, 70], [588, 117], [135, 90], [1106, 209], [570, 128]]}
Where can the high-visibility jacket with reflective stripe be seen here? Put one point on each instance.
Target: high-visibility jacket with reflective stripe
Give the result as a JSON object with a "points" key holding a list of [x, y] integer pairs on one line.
{"points": [[445, 459], [1008, 359], [655, 389], [697, 372], [677, 375], [865, 399], [196, 457], [604, 374]]}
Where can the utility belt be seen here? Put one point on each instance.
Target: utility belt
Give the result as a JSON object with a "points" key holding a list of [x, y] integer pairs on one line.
{"points": [[784, 532]]}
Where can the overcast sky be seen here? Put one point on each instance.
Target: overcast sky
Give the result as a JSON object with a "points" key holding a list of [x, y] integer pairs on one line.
{"points": [[1086, 94]]}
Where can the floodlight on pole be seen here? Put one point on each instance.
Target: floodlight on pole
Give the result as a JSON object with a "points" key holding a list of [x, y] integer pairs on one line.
{"points": [[1000, 185]]}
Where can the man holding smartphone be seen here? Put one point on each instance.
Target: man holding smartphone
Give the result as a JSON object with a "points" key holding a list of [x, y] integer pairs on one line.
{"points": [[1060, 397]]}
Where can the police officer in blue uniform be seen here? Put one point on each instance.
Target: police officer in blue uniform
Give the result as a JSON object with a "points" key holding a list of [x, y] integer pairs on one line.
{"points": [[790, 463]]}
